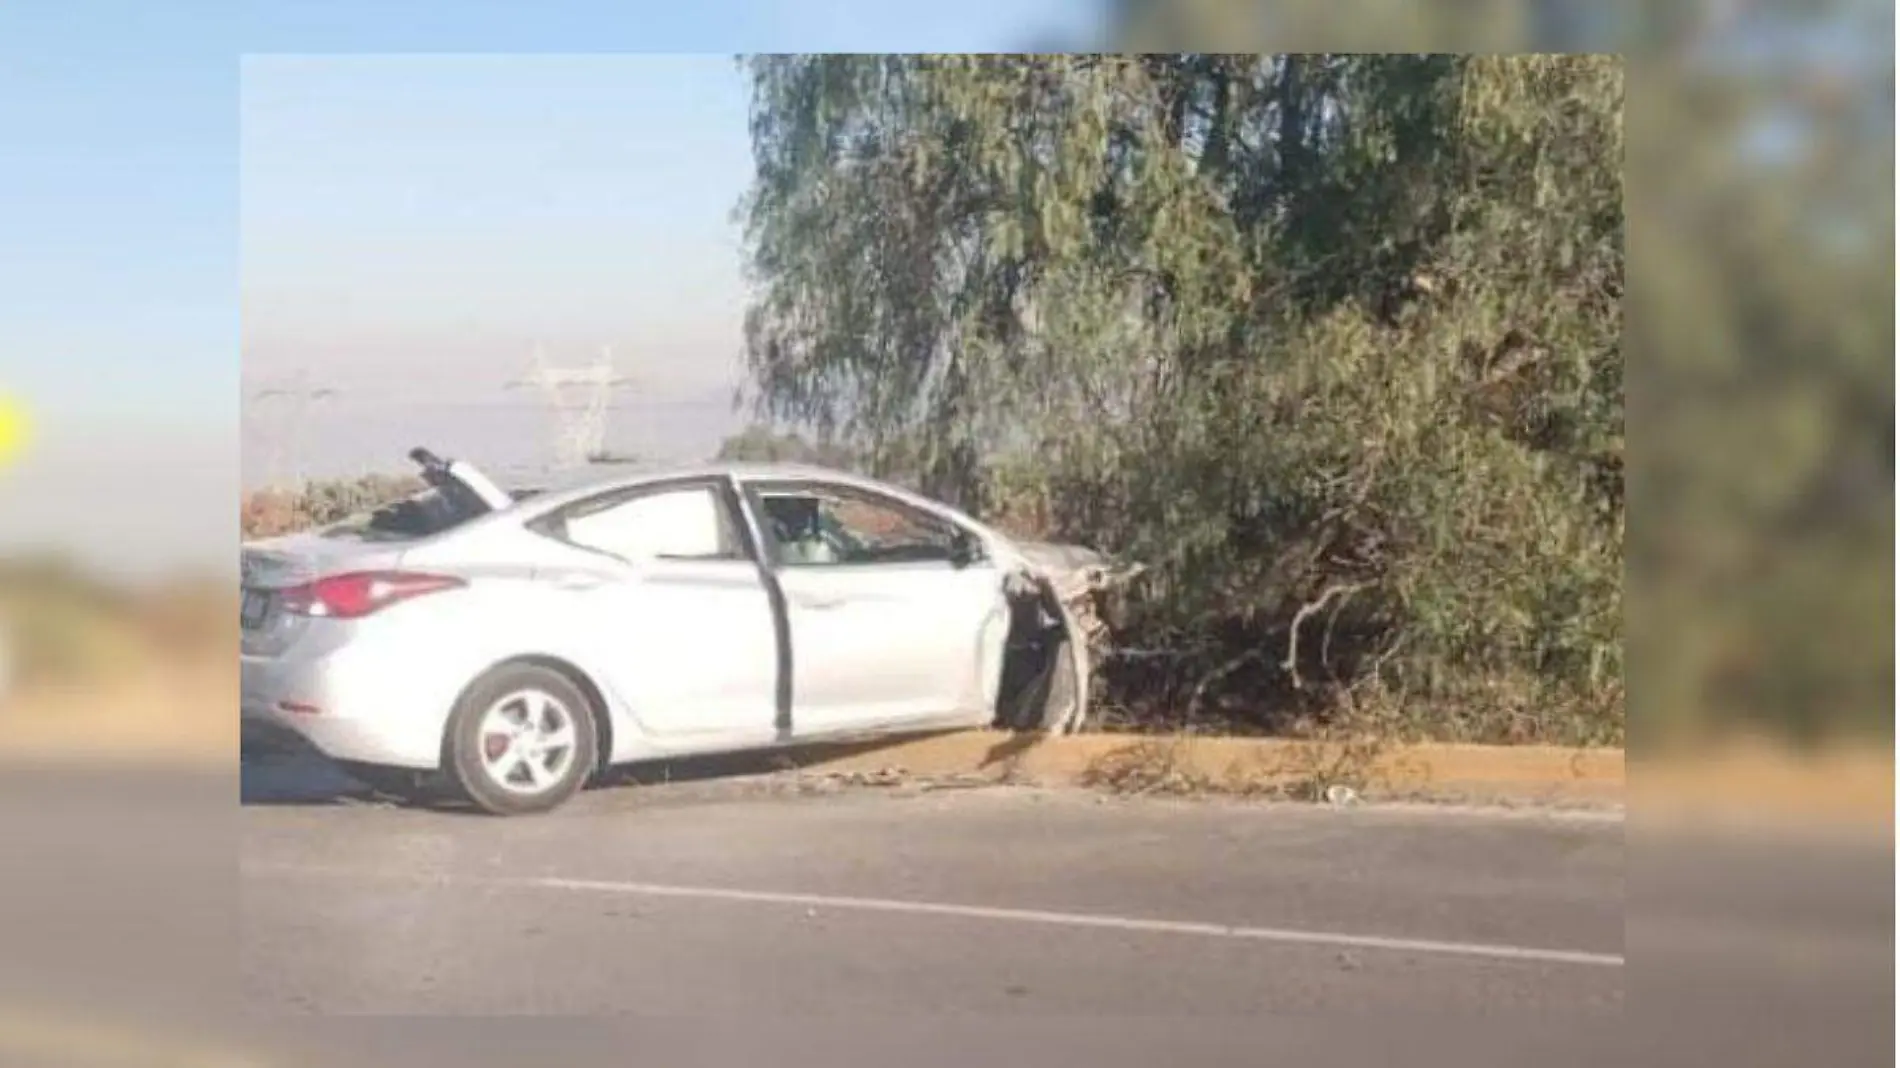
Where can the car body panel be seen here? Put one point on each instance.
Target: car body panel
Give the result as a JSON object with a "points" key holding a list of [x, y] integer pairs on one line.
{"points": [[886, 645], [680, 648]]}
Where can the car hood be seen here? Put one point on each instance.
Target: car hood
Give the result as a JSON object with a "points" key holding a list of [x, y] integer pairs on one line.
{"points": [[1053, 558], [1073, 569]]}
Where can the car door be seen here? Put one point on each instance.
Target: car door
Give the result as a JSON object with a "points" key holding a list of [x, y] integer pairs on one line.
{"points": [[887, 626], [666, 593]]}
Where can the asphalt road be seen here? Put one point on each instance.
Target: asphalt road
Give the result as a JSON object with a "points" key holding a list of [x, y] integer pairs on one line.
{"points": [[748, 901], [970, 901], [1206, 932], [759, 923]]}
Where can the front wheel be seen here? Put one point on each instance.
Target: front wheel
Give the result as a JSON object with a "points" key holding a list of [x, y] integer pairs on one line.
{"points": [[521, 740]]}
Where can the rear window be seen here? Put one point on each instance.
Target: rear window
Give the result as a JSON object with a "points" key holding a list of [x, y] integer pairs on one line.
{"points": [[419, 515]]}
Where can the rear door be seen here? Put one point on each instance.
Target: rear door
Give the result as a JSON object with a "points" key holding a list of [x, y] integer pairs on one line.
{"points": [[886, 625], [664, 592]]}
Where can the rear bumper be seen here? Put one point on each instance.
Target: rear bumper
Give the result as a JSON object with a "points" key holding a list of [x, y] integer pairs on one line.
{"points": [[347, 705]]}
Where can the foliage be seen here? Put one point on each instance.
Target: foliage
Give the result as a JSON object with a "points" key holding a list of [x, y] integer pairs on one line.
{"points": [[268, 513], [762, 444], [1763, 307], [1331, 343]]}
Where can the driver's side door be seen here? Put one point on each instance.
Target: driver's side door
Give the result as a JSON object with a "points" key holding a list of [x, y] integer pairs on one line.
{"points": [[888, 627]]}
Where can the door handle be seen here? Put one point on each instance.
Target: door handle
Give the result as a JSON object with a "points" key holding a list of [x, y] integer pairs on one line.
{"points": [[820, 603]]}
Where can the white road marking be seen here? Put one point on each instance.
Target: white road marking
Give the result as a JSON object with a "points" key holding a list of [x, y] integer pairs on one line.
{"points": [[1330, 939]]}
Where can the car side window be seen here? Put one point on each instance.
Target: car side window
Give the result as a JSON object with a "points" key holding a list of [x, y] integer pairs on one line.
{"points": [[682, 523], [816, 526]]}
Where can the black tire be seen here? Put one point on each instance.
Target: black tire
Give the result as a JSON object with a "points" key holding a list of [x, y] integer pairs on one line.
{"points": [[468, 770]]}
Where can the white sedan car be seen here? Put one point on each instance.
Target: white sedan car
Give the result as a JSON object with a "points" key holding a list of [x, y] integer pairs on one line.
{"points": [[509, 646]]}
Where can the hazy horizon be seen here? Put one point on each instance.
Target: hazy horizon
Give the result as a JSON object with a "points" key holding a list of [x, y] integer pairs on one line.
{"points": [[414, 227], [408, 197]]}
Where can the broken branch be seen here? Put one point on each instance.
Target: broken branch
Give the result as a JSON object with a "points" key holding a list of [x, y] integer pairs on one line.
{"points": [[1293, 635], [1221, 672]]}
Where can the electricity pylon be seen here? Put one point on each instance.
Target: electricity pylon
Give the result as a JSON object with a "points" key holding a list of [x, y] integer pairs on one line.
{"points": [[579, 398]]}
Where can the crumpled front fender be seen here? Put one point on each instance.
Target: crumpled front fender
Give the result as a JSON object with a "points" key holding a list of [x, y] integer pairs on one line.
{"points": [[1073, 582]]}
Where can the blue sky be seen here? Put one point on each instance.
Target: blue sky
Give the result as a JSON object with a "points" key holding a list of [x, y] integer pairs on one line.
{"points": [[413, 226], [121, 236], [121, 126], [421, 222]]}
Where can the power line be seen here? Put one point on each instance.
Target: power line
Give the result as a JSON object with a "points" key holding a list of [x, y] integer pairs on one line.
{"points": [[284, 435]]}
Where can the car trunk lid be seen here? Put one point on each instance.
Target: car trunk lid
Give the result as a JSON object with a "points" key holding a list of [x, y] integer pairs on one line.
{"points": [[272, 566], [457, 493]]}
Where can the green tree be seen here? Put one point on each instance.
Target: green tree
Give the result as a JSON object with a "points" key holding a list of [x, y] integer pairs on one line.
{"points": [[1331, 342], [762, 444]]}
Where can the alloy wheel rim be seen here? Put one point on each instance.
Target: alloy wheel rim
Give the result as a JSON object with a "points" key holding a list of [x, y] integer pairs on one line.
{"points": [[528, 741]]}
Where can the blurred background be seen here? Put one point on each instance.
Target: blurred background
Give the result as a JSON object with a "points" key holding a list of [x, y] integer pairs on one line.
{"points": [[1759, 386], [1760, 468]]}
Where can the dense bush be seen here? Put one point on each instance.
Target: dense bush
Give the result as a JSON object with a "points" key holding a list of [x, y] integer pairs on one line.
{"points": [[268, 513], [1331, 343], [759, 444]]}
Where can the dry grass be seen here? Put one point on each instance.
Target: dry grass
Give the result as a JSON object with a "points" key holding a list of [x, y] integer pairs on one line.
{"points": [[267, 513], [107, 673], [1759, 778], [1176, 766], [184, 713]]}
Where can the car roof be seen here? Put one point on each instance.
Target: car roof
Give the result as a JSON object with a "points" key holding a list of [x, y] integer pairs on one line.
{"points": [[557, 489], [531, 492], [581, 482]]}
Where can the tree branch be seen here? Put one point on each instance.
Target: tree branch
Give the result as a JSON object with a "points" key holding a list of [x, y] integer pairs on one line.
{"points": [[1291, 663]]}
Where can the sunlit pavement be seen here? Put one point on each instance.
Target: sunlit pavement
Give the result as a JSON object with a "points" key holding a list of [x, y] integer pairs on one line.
{"points": [[744, 900], [1475, 937], [921, 927]]}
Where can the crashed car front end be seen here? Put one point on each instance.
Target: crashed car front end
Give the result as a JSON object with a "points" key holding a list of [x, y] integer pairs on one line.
{"points": [[1061, 594]]}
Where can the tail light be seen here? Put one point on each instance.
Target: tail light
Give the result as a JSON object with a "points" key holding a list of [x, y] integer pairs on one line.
{"points": [[357, 594]]}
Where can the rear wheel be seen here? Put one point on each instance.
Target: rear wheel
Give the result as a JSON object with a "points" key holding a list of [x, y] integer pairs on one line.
{"points": [[521, 740]]}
